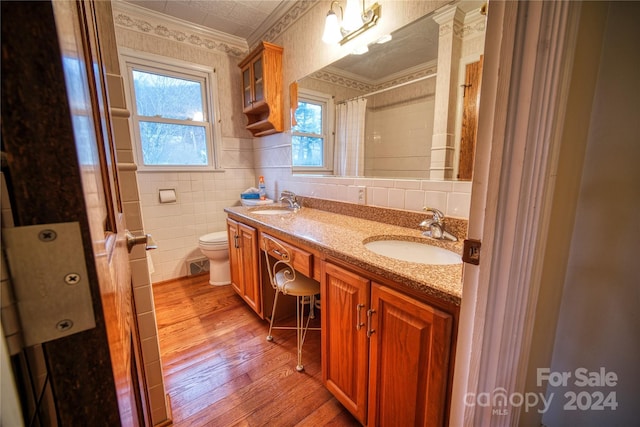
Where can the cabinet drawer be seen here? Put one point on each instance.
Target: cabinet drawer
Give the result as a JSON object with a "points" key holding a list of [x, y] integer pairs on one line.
{"points": [[301, 260]]}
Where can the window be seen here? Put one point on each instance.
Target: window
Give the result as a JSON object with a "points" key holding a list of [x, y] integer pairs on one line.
{"points": [[311, 141], [171, 114]]}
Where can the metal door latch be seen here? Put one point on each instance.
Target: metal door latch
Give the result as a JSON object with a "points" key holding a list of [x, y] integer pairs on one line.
{"points": [[148, 241], [50, 280]]}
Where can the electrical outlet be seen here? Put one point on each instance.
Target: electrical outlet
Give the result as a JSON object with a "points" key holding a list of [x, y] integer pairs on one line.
{"points": [[362, 195], [357, 194]]}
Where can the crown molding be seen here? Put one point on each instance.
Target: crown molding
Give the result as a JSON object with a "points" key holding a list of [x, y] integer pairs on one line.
{"points": [[287, 13], [135, 18], [341, 80], [409, 74], [352, 81], [474, 24]]}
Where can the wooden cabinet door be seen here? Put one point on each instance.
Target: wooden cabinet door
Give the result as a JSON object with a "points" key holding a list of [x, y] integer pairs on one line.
{"points": [[345, 347], [258, 81], [247, 88], [248, 242], [244, 260], [410, 346], [234, 256]]}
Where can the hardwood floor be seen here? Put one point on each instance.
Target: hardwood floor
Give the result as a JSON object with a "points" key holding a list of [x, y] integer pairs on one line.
{"points": [[219, 370]]}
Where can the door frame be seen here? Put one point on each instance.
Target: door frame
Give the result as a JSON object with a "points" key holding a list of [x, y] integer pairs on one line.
{"points": [[528, 59]]}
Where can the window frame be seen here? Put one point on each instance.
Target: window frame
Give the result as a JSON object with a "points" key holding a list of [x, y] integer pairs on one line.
{"points": [[145, 62], [328, 131]]}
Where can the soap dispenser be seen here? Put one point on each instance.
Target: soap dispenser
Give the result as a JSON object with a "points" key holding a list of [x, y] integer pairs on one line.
{"points": [[262, 188]]}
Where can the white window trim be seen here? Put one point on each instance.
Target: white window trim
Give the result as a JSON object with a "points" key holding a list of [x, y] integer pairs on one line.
{"points": [[329, 131], [130, 57]]}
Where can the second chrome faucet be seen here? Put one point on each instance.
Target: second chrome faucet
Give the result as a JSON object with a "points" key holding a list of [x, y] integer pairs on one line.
{"points": [[434, 227]]}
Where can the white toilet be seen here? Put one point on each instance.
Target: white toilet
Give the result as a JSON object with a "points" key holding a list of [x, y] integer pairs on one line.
{"points": [[215, 247]]}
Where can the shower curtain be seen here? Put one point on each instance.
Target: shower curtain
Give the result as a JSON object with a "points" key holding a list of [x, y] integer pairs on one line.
{"points": [[349, 148]]}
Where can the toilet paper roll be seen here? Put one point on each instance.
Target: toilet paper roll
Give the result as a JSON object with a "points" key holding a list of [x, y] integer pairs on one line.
{"points": [[167, 195]]}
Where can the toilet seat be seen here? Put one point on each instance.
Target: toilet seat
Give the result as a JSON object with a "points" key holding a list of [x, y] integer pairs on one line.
{"points": [[214, 240]]}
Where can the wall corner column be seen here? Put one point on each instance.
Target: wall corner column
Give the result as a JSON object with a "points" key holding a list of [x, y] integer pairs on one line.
{"points": [[451, 21]]}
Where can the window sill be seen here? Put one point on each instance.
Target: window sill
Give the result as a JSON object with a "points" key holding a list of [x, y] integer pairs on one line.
{"points": [[191, 169]]}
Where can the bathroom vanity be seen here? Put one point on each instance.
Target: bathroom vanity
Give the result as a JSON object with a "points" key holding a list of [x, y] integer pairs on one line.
{"points": [[388, 325]]}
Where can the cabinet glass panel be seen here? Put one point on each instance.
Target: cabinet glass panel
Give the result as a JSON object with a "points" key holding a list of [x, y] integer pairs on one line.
{"points": [[246, 84], [258, 80]]}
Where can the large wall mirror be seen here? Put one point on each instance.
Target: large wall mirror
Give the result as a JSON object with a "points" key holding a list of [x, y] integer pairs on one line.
{"points": [[407, 106]]}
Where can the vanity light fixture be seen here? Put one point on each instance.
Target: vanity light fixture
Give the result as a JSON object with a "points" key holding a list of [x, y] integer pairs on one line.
{"points": [[353, 23]]}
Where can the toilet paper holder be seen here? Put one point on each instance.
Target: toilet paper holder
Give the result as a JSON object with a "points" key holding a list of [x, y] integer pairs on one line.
{"points": [[167, 195]]}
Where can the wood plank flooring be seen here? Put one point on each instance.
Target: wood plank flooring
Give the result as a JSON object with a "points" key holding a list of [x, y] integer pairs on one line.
{"points": [[219, 370]]}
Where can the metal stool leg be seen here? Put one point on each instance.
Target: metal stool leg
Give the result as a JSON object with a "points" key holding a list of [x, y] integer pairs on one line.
{"points": [[302, 328], [299, 312], [312, 306], [273, 314]]}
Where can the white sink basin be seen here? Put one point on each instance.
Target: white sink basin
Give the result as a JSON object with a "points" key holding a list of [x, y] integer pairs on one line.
{"points": [[272, 211], [413, 252]]}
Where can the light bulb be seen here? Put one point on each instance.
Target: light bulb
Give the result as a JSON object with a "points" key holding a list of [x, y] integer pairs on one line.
{"points": [[332, 34], [352, 16]]}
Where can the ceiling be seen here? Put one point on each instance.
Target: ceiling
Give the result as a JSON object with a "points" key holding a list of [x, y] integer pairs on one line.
{"points": [[414, 45], [411, 46], [238, 18], [250, 19]]}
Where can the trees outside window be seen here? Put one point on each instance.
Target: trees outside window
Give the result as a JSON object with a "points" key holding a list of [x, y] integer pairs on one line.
{"points": [[311, 140], [171, 114]]}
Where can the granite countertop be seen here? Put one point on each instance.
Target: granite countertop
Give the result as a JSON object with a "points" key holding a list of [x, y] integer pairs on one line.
{"points": [[342, 237]]}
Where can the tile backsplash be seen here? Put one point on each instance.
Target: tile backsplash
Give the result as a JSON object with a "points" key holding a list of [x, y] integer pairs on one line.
{"points": [[452, 198]]}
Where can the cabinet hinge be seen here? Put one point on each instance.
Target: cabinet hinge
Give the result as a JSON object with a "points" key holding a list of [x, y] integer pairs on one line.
{"points": [[471, 251]]}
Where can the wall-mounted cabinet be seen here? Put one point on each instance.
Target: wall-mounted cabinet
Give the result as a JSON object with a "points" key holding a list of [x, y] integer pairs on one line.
{"points": [[262, 89]]}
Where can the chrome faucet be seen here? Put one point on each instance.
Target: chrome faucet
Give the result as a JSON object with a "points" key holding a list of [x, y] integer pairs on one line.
{"points": [[290, 197], [434, 227]]}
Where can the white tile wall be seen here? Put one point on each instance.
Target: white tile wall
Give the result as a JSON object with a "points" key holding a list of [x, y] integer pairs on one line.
{"points": [[399, 142], [199, 209]]}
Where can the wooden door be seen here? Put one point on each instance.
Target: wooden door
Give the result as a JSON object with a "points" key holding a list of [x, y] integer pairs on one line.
{"points": [[345, 347], [468, 134], [109, 235], [61, 167], [409, 359]]}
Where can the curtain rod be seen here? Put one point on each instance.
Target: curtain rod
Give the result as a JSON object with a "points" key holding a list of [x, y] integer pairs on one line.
{"points": [[389, 88]]}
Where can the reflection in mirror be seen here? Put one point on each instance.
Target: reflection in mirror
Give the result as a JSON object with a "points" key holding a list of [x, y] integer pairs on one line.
{"points": [[406, 108]]}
